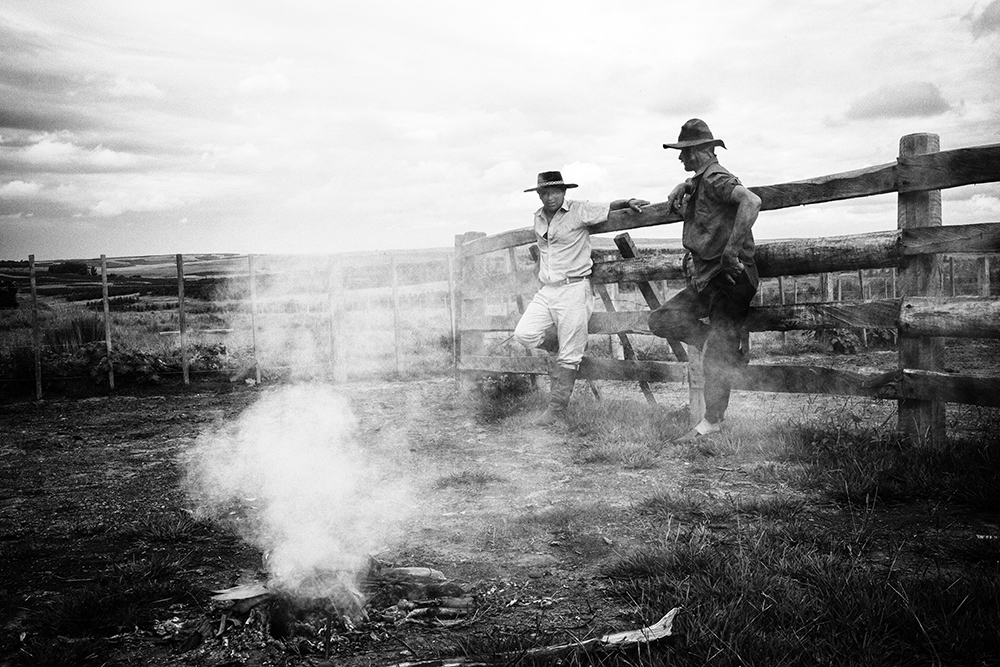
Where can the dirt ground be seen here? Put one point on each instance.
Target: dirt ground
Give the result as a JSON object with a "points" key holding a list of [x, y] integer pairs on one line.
{"points": [[491, 507]]}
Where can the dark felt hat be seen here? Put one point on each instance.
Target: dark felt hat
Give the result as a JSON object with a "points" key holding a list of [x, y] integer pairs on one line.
{"points": [[695, 132], [551, 179]]}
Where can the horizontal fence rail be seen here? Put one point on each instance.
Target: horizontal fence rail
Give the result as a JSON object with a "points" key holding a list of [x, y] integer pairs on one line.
{"points": [[917, 311]]}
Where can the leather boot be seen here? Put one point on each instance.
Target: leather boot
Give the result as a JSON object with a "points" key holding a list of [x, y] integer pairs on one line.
{"points": [[561, 381]]}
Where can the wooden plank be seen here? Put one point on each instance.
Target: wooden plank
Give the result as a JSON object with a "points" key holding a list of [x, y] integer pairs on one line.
{"points": [[874, 250], [526, 365], [958, 317], [876, 180], [628, 251], [804, 380], [522, 281], [626, 321], [947, 169], [662, 265], [590, 368], [950, 388], [652, 215], [501, 241], [879, 314], [633, 370], [920, 421], [627, 350], [952, 239]]}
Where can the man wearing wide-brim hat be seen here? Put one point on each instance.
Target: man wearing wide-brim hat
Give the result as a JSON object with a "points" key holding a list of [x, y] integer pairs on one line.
{"points": [[565, 300], [719, 213]]}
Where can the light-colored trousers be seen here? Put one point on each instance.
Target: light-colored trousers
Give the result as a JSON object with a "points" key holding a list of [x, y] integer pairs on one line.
{"points": [[568, 308]]}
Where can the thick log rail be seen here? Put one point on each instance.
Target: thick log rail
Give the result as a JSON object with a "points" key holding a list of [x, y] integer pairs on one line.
{"points": [[922, 316]]}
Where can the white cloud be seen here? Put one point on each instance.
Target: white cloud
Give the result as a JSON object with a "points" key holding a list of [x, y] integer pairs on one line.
{"points": [[122, 202], [128, 87], [267, 79], [900, 101], [15, 189], [51, 152]]}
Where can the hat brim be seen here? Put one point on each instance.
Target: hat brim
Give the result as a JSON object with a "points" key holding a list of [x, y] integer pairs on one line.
{"points": [[697, 142], [552, 185]]}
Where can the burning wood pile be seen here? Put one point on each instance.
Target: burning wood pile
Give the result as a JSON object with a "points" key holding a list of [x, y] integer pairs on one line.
{"points": [[328, 604]]}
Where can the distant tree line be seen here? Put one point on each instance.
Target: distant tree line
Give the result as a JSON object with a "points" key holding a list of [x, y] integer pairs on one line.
{"points": [[73, 268], [8, 294]]}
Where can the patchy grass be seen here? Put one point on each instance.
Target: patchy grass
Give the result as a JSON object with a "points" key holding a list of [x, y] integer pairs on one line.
{"points": [[467, 480]]}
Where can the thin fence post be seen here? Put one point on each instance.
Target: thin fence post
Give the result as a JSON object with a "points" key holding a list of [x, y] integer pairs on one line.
{"points": [[107, 321], [182, 322], [395, 310], [474, 341], [984, 276], [826, 294], [252, 269], [781, 300], [861, 288], [951, 274], [337, 326], [920, 421], [36, 333], [451, 311]]}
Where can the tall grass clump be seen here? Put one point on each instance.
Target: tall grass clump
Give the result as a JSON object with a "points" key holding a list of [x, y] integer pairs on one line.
{"points": [[779, 593], [129, 596], [858, 460], [498, 397]]}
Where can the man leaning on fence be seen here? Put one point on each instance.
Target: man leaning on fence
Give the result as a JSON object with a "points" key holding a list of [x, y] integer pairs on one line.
{"points": [[565, 300], [719, 213]]}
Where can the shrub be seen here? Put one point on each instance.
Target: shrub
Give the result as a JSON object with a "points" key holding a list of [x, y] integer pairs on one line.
{"points": [[500, 396]]}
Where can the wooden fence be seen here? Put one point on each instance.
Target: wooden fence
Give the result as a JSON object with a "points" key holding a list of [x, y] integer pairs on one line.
{"points": [[920, 313], [333, 286]]}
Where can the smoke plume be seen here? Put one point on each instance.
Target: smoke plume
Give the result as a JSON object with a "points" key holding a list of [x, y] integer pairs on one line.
{"points": [[293, 478]]}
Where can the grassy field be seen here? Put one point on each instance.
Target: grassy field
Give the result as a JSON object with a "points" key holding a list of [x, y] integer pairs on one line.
{"points": [[805, 534]]}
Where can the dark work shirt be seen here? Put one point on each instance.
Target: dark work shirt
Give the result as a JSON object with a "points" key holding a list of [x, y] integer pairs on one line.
{"points": [[709, 219]]}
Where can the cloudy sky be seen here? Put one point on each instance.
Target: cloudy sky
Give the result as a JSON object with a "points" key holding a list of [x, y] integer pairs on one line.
{"points": [[304, 126]]}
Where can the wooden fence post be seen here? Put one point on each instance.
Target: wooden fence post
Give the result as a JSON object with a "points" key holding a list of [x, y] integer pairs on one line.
{"points": [[920, 421], [472, 342], [984, 276], [861, 288], [107, 321], [251, 269], [781, 300], [396, 338], [182, 320], [336, 324], [451, 311], [36, 332]]}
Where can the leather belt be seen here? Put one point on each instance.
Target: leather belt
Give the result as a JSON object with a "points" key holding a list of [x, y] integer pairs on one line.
{"points": [[567, 281]]}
